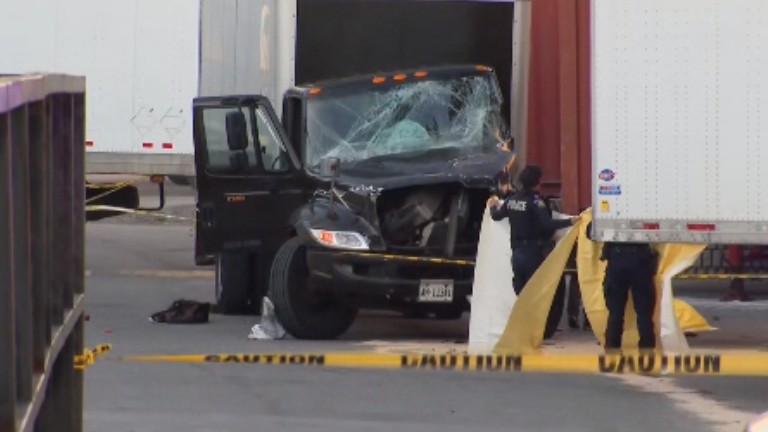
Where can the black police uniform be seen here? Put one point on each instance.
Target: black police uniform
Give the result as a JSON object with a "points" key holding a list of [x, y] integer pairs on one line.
{"points": [[631, 268], [532, 228]]}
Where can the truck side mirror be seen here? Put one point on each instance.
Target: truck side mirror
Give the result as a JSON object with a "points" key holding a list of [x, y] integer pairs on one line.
{"points": [[237, 131], [330, 168]]}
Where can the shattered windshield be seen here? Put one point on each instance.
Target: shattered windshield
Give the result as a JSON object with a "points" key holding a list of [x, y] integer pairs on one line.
{"points": [[462, 113]]}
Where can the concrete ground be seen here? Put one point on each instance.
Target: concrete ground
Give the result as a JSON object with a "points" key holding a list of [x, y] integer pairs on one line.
{"points": [[139, 265]]}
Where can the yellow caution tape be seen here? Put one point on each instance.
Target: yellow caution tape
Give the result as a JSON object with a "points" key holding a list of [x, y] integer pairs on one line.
{"points": [[713, 364], [89, 356], [110, 185], [704, 276], [137, 212], [431, 260], [407, 258], [569, 270], [111, 188]]}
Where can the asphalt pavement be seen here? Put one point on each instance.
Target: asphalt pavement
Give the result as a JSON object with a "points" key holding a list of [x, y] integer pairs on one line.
{"points": [[139, 265]]}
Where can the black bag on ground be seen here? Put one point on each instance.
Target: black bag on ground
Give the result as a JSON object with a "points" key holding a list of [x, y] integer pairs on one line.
{"points": [[183, 312]]}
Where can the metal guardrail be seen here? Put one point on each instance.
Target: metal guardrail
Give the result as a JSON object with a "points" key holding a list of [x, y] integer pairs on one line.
{"points": [[42, 221]]}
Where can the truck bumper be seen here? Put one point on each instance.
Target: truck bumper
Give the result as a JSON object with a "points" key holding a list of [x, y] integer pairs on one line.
{"points": [[374, 279]]}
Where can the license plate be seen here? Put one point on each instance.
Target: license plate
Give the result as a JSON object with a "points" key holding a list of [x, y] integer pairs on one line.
{"points": [[436, 291]]}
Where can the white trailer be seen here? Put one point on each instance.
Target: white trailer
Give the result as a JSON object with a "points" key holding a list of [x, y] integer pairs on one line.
{"points": [[144, 62], [679, 121]]}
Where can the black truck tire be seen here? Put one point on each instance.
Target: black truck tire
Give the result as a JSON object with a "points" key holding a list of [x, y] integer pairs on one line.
{"points": [[233, 283], [301, 315]]}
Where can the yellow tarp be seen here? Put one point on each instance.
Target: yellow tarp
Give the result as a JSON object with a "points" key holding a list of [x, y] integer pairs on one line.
{"points": [[690, 319], [525, 328]]}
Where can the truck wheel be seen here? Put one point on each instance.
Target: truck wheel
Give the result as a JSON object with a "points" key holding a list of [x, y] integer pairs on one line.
{"points": [[233, 283], [303, 313]]}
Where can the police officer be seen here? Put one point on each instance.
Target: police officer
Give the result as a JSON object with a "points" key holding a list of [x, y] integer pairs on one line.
{"points": [[630, 268], [532, 226]]}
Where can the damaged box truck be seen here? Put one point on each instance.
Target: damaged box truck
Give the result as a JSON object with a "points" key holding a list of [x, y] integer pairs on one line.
{"points": [[371, 189]]}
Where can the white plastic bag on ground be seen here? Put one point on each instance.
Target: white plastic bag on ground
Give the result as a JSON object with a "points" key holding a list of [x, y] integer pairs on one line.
{"points": [[270, 327]]}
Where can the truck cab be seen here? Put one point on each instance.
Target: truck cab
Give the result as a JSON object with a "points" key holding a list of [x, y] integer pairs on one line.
{"points": [[369, 193]]}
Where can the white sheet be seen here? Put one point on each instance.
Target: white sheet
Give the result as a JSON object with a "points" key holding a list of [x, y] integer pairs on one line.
{"points": [[492, 294]]}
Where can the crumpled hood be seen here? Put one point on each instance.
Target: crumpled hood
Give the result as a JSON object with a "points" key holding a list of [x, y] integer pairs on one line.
{"points": [[478, 170]]}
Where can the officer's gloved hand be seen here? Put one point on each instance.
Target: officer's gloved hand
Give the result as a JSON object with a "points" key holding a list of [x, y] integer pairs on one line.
{"points": [[558, 215], [561, 232]]}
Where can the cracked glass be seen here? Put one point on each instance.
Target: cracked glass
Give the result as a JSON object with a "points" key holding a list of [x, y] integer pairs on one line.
{"points": [[462, 113]]}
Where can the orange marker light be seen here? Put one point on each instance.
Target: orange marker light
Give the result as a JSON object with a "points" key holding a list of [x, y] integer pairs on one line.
{"points": [[399, 77], [482, 68], [379, 80], [315, 91], [326, 237], [420, 74]]}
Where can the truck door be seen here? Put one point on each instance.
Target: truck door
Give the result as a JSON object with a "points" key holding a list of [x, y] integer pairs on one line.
{"points": [[248, 177]]}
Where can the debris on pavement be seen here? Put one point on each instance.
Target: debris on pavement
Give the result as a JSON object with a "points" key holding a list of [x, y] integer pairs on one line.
{"points": [[270, 327], [183, 311]]}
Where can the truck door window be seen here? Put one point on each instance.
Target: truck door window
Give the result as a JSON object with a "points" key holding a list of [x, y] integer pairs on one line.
{"points": [[222, 160], [273, 153]]}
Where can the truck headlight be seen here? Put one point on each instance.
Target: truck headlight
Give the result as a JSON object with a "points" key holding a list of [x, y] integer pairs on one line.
{"points": [[341, 239]]}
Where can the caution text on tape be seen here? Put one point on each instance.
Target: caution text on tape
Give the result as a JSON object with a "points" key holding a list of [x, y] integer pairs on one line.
{"points": [[678, 364]]}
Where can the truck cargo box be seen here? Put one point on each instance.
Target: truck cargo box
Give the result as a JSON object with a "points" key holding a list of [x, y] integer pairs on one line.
{"points": [[679, 125]]}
